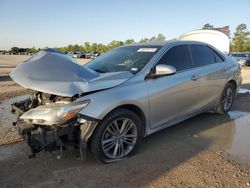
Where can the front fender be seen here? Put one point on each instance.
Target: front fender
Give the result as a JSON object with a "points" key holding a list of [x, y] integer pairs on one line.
{"points": [[103, 102]]}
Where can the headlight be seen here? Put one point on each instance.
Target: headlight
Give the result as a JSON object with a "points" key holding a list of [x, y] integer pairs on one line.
{"points": [[54, 113]]}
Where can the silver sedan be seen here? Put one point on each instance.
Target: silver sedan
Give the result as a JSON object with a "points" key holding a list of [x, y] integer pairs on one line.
{"points": [[120, 97]]}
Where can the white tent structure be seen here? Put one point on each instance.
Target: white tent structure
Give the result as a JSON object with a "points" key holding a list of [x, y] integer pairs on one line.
{"points": [[214, 38]]}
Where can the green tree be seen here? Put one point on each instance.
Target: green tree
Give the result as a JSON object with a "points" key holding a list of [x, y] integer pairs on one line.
{"points": [[102, 48], [207, 26], [87, 47], [152, 39], [32, 50], [94, 47], [14, 50], [129, 41], [115, 44], [246, 46], [70, 48], [240, 38], [90, 47], [144, 40], [76, 48], [159, 37]]}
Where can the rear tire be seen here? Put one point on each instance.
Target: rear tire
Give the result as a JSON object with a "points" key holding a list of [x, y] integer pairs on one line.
{"points": [[117, 136], [226, 99]]}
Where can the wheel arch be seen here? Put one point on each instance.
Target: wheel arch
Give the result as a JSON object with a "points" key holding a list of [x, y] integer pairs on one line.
{"points": [[138, 111], [134, 108], [233, 82]]}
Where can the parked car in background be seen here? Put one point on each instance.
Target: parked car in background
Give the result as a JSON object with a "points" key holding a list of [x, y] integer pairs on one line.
{"points": [[92, 55], [82, 55], [95, 55], [88, 55], [115, 100], [75, 54], [245, 61], [241, 57]]}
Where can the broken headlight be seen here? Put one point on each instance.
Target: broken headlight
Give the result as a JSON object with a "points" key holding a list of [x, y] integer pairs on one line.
{"points": [[53, 114]]}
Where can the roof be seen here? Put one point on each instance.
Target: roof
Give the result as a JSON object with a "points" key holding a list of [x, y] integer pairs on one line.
{"points": [[163, 43]]}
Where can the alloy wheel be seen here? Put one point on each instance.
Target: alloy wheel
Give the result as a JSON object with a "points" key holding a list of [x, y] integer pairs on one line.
{"points": [[119, 138], [227, 98]]}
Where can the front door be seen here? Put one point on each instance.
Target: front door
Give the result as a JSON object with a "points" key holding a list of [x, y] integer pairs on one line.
{"points": [[173, 96]]}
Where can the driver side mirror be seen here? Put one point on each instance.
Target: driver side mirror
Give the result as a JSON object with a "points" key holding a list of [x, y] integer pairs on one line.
{"points": [[164, 70]]}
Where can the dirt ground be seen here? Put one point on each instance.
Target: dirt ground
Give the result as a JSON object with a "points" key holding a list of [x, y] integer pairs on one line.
{"points": [[208, 150]]}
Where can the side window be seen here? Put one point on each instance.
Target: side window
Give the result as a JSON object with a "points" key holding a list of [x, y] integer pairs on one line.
{"points": [[179, 57], [202, 55], [218, 58]]}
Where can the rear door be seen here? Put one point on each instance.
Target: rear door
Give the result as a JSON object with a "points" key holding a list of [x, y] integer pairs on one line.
{"points": [[176, 95], [211, 72]]}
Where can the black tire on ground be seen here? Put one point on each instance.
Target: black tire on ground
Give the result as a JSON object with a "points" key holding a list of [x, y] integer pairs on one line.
{"points": [[221, 108], [97, 136]]}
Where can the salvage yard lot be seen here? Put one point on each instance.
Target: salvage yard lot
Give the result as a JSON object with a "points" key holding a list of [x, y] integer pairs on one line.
{"points": [[208, 150]]}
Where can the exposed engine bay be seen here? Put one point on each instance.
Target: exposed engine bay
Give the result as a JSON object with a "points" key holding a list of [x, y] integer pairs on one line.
{"points": [[75, 131], [37, 99]]}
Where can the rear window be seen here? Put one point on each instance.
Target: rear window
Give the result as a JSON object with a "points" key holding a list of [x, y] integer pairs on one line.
{"points": [[203, 55]]}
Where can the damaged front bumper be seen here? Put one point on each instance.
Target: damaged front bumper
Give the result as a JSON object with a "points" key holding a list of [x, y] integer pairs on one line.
{"points": [[41, 138]]}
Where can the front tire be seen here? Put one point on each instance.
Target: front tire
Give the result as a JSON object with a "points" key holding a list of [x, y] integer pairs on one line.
{"points": [[226, 99], [247, 64], [116, 136]]}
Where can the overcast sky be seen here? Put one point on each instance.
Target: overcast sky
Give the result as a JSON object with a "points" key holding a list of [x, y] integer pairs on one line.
{"points": [[51, 23]]}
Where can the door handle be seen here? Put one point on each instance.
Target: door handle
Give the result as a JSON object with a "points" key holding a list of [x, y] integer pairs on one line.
{"points": [[194, 77]]}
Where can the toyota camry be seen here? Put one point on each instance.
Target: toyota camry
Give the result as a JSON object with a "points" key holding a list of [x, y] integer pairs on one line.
{"points": [[114, 101]]}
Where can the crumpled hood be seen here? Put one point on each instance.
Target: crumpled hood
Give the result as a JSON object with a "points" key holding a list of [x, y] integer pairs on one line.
{"points": [[53, 72]]}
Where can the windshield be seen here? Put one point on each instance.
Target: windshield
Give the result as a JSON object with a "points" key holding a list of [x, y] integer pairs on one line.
{"points": [[127, 58]]}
